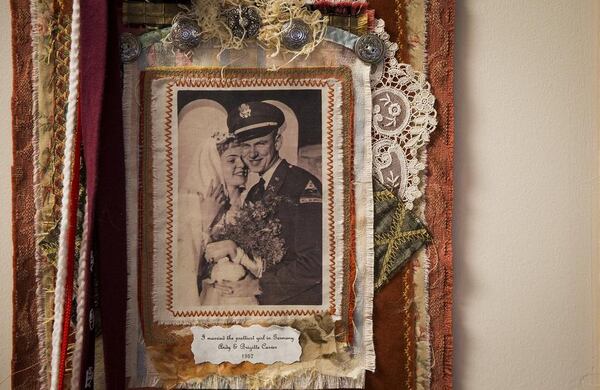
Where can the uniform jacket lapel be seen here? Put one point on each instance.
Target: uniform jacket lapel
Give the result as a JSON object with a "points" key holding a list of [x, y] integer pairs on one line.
{"points": [[278, 177]]}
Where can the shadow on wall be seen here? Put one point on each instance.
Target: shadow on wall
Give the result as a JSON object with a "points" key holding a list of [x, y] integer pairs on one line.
{"points": [[463, 180]]}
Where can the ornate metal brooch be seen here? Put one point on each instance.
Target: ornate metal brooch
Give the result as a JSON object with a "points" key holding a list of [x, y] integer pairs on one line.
{"points": [[244, 23], [296, 34], [131, 48], [185, 34], [370, 48]]}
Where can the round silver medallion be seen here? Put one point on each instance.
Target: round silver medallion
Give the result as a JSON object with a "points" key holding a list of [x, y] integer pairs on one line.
{"points": [[244, 23], [131, 48], [296, 34], [185, 34], [370, 48]]}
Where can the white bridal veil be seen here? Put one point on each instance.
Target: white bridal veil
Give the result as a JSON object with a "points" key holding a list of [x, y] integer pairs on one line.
{"points": [[199, 165]]}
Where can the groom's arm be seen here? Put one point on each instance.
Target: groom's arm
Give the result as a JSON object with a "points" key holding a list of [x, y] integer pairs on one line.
{"points": [[297, 279]]}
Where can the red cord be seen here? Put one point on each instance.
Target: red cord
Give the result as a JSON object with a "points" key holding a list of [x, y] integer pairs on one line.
{"points": [[71, 235]]}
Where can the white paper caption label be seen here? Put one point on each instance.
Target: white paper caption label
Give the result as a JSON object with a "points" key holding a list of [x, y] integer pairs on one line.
{"points": [[254, 344]]}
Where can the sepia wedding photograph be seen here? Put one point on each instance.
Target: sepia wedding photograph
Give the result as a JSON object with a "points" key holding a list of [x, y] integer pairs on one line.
{"points": [[250, 198]]}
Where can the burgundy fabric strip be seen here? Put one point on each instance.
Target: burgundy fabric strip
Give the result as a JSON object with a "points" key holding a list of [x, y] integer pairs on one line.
{"points": [[103, 140], [92, 77]]}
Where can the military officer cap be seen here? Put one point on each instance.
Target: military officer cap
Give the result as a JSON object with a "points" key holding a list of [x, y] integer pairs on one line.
{"points": [[253, 120]]}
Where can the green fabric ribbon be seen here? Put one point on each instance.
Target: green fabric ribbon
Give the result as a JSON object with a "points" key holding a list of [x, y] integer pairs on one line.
{"points": [[398, 234]]}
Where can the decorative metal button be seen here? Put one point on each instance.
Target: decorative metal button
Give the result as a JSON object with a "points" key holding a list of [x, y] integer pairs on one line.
{"points": [[185, 34], [296, 34], [370, 48], [244, 23], [131, 48]]}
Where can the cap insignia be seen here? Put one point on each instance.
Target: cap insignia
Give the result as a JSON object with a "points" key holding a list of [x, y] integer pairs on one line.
{"points": [[245, 111]]}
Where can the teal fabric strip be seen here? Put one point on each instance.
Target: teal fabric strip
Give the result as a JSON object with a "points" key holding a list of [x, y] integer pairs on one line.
{"points": [[341, 37]]}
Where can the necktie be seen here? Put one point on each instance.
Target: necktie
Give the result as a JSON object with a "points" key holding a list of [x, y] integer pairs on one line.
{"points": [[258, 190]]}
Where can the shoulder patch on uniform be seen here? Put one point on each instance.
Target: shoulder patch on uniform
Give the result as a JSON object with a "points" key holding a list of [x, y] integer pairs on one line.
{"points": [[311, 190], [310, 194], [310, 186]]}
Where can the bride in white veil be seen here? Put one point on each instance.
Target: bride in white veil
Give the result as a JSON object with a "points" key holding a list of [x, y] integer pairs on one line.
{"points": [[211, 192]]}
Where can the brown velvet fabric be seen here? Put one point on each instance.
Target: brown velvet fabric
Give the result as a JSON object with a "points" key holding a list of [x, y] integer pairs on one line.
{"points": [[394, 326], [393, 12], [440, 61], [25, 361]]}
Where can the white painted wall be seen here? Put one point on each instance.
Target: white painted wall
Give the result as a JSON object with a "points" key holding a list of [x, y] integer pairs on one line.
{"points": [[526, 229]]}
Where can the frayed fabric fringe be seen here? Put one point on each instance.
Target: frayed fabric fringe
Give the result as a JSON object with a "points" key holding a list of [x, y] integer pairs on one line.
{"points": [[130, 132], [304, 380], [37, 191], [369, 291], [307, 379]]}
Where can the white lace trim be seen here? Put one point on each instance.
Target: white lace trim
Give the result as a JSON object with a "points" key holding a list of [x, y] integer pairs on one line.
{"points": [[403, 117]]}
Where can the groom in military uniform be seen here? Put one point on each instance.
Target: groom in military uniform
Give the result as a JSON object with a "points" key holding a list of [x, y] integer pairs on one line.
{"points": [[297, 279]]}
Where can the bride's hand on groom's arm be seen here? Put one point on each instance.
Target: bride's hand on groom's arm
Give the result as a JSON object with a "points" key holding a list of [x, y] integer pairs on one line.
{"points": [[219, 249]]}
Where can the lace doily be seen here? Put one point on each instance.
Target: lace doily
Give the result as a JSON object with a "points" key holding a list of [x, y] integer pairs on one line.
{"points": [[403, 117]]}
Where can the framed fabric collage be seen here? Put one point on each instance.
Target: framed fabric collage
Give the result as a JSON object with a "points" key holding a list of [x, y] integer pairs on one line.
{"points": [[233, 194]]}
